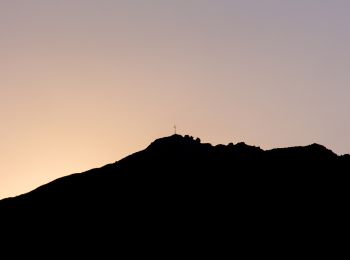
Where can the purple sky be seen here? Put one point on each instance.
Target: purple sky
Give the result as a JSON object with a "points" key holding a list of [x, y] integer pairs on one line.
{"points": [[87, 82]]}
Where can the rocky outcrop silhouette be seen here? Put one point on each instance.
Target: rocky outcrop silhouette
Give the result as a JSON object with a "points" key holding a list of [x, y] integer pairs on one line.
{"points": [[178, 185]]}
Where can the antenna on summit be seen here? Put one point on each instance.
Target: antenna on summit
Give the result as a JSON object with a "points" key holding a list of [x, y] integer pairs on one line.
{"points": [[174, 129]]}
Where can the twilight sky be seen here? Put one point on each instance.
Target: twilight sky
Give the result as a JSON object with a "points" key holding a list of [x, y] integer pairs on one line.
{"points": [[86, 82]]}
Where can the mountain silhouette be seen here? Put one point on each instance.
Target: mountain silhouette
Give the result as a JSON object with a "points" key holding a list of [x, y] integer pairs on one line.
{"points": [[178, 185], [181, 166]]}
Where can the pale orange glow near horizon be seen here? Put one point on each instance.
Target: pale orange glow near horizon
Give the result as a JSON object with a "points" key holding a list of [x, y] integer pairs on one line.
{"points": [[86, 83]]}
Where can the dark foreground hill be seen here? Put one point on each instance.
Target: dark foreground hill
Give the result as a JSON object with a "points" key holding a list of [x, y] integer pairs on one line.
{"points": [[179, 185], [179, 168]]}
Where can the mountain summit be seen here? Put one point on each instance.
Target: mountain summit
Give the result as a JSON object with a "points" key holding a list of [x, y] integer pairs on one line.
{"points": [[180, 194], [181, 172]]}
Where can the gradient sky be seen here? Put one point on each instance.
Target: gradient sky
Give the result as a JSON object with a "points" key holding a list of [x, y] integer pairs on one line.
{"points": [[87, 82]]}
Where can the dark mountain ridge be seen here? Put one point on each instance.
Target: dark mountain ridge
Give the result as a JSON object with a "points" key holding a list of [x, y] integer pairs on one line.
{"points": [[179, 195], [183, 165]]}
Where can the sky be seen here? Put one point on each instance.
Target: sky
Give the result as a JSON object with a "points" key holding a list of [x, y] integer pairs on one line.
{"points": [[87, 82]]}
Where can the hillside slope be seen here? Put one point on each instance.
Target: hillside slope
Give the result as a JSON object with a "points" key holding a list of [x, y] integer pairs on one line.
{"points": [[179, 169]]}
